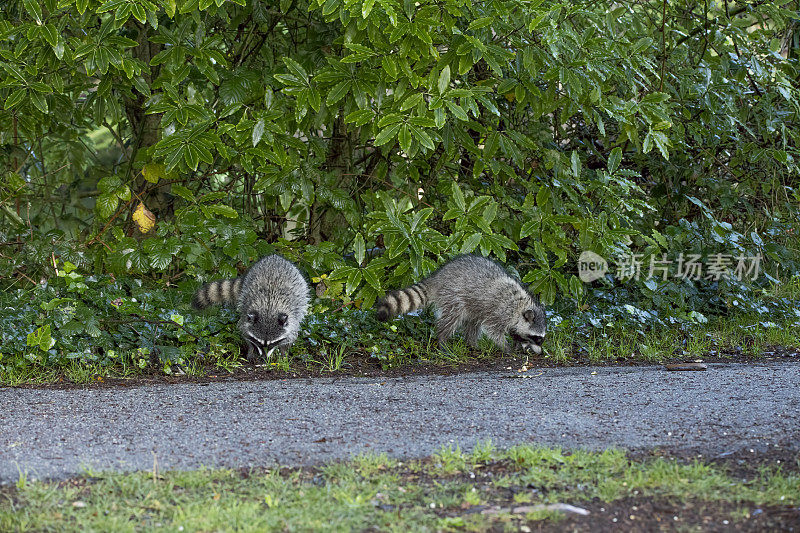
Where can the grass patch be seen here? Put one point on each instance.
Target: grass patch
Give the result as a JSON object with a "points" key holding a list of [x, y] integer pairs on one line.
{"points": [[482, 489]]}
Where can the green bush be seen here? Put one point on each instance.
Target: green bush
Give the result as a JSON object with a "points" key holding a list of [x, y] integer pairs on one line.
{"points": [[369, 141]]}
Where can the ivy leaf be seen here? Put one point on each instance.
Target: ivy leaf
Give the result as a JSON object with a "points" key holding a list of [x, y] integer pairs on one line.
{"points": [[41, 338]]}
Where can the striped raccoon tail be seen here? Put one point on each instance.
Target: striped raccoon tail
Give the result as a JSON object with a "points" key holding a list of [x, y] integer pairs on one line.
{"points": [[217, 292], [402, 301]]}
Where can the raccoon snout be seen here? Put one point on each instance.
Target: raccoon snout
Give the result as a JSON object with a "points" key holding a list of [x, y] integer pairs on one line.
{"points": [[537, 340]]}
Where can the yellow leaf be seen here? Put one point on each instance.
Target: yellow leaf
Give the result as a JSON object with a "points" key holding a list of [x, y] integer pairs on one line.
{"points": [[145, 220], [153, 172]]}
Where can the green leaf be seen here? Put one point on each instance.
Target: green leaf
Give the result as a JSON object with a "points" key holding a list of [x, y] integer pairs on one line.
{"points": [[528, 228], [359, 248], [641, 44], [387, 134], [391, 118], [360, 117], [444, 79], [341, 272], [338, 92], [458, 197], [353, 281], [330, 6], [423, 122], [371, 278], [34, 10], [614, 159], [182, 191], [50, 34], [457, 110], [471, 243], [405, 138], [160, 258], [39, 101], [491, 145], [15, 98], [576, 164], [223, 210], [191, 156], [451, 214], [58, 49], [422, 137], [481, 23], [366, 8], [439, 117], [41, 338], [411, 101], [106, 204], [489, 213], [258, 131], [314, 98], [296, 69]]}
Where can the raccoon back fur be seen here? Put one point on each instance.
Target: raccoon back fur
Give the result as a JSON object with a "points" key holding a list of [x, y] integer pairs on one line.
{"points": [[271, 299], [478, 295]]}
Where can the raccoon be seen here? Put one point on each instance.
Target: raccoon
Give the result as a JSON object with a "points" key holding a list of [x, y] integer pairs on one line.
{"points": [[272, 299], [479, 295]]}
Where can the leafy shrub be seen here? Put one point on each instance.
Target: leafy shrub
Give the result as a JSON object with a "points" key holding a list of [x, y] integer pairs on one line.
{"points": [[370, 141]]}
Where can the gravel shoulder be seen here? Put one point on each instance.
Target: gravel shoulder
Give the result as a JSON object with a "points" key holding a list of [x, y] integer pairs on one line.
{"points": [[55, 434]]}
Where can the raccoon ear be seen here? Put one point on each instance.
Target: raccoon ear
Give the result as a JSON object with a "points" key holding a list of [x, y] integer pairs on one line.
{"points": [[529, 315], [283, 319], [252, 317]]}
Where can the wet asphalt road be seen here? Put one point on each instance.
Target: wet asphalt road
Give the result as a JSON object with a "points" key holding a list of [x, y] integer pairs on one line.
{"points": [[58, 433]]}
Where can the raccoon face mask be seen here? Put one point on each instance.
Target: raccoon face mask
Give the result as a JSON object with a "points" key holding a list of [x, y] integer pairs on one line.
{"points": [[529, 330], [265, 332]]}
